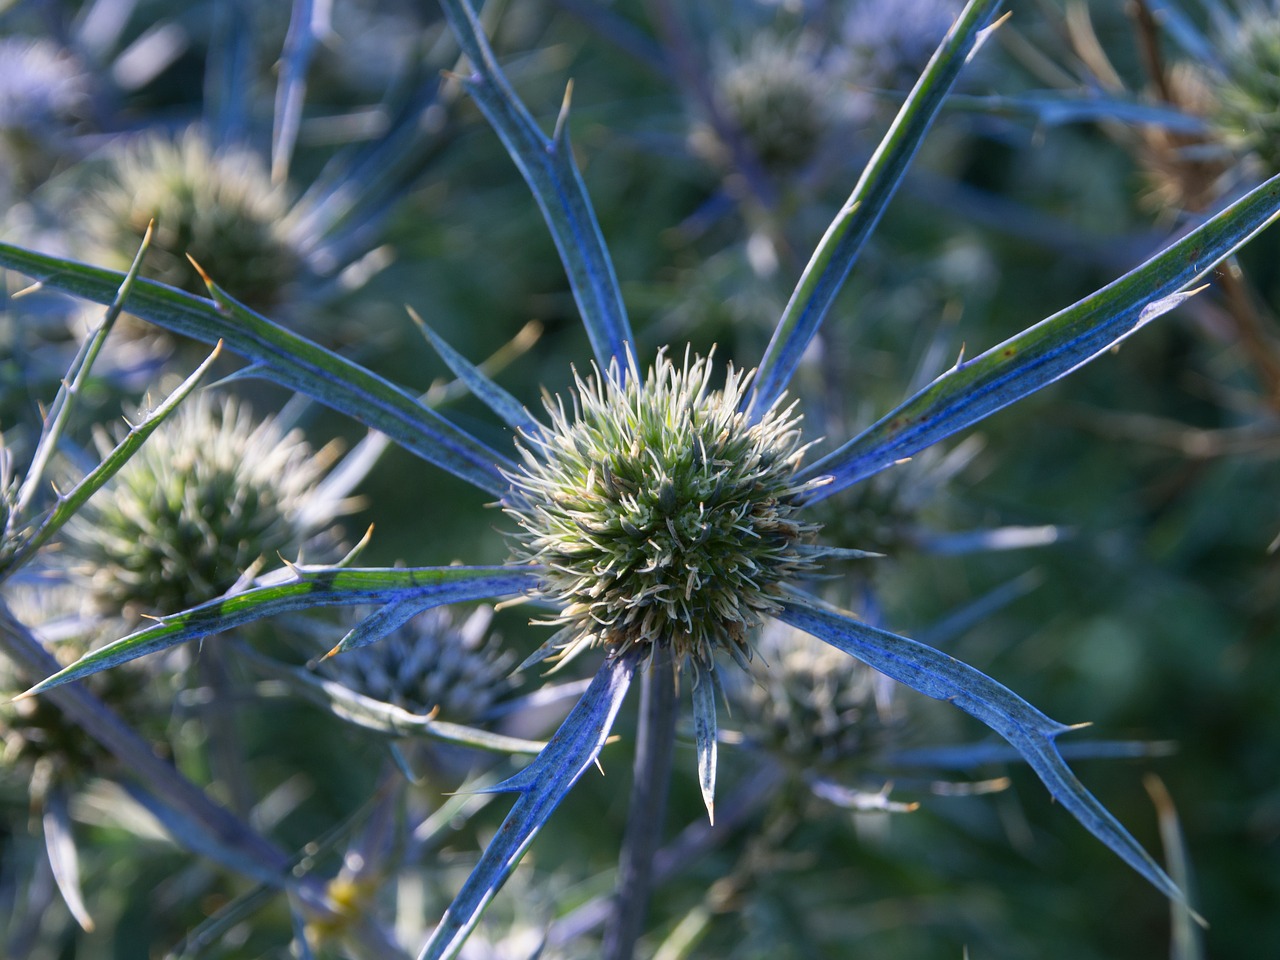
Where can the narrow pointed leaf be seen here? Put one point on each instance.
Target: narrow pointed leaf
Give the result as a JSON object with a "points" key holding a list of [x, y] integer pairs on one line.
{"points": [[60, 845], [282, 357], [230, 72], [861, 801], [704, 735], [989, 540], [310, 589], [111, 464], [1029, 731], [380, 623], [542, 785], [291, 89], [1054, 347], [1052, 108], [507, 407], [382, 717], [193, 834], [77, 373], [548, 167], [839, 248], [966, 756]]}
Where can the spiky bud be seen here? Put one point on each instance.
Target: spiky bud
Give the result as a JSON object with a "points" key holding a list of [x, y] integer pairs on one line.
{"points": [[810, 702], [430, 663], [41, 90], [218, 205], [889, 43], [209, 495], [780, 99], [1247, 87], [659, 513]]}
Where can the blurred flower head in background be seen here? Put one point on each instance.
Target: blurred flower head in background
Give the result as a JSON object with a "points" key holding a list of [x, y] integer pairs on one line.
{"points": [[42, 91], [216, 206], [436, 663], [214, 496], [779, 97]]}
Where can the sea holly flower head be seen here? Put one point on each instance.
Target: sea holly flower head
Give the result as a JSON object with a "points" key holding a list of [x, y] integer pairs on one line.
{"points": [[435, 662], [889, 44], [42, 88], [213, 494], [810, 704], [214, 204], [1244, 85], [780, 97], [651, 598], [659, 514]]}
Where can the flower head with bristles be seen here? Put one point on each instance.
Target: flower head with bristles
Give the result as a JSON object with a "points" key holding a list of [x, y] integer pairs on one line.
{"points": [[889, 43], [660, 514], [211, 494], [1247, 88], [216, 205], [810, 703], [431, 663], [781, 98], [42, 89]]}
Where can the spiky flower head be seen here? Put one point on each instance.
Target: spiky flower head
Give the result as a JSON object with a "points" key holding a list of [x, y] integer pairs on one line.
{"points": [[210, 495], [780, 98], [811, 703], [217, 205], [1247, 87], [660, 514], [432, 663]]}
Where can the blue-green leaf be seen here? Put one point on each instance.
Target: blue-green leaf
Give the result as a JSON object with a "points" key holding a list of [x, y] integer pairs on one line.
{"points": [[283, 357], [1029, 731], [548, 167], [310, 588], [840, 246], [704, 735], [1054, 347], [1054, 108], [71, 502], [542, 786], [507, 407], [56, 418], [291, 87], [60, 845], [382, 717], [381, 622]]}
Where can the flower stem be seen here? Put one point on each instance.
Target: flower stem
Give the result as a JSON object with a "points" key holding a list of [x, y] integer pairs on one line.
{"points": [[655, 742], [245, 850]]}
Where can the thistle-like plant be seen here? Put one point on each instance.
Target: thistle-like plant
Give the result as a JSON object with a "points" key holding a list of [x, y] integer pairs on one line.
{"points": [[432, 665], [42, 88], [779, 98], [213, 204], [661, 518], [214, 496]]}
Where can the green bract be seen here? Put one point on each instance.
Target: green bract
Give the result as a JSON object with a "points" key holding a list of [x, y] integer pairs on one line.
{"points": [[660, 514]]}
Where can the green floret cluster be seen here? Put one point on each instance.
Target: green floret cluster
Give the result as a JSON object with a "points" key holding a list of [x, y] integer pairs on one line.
{"points": [[218, 206], [660, 514], [211, 495], [1249, 92]]}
